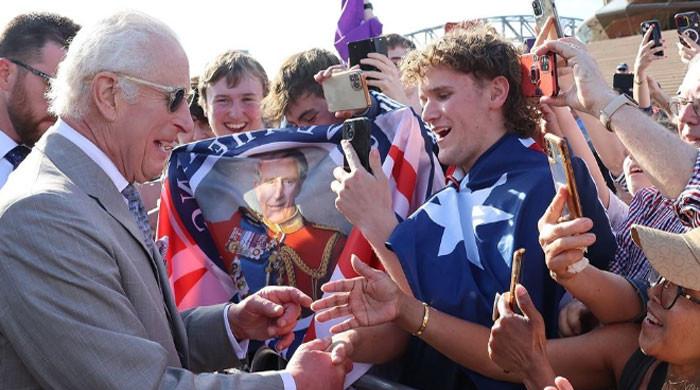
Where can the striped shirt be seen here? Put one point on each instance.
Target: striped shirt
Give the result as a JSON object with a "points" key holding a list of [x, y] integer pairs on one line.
{"points": [[687, 205], [648, 208]]}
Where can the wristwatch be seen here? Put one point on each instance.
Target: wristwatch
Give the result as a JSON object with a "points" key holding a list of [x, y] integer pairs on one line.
{"points": [[612, 107], [368, 6]]}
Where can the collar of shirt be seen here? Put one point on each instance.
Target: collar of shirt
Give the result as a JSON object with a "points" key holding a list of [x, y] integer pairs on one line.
{"points": [[6, 143], [92, 151]]}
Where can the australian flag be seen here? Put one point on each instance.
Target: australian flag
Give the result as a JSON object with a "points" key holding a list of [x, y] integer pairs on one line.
{"points": [[456, 250]]}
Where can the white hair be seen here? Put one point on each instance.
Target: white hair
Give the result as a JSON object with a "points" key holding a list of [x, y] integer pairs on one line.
{"points": [[121, 43]]}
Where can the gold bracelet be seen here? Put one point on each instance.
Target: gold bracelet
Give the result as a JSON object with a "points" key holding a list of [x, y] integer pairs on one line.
{"points": [[426, 318]]}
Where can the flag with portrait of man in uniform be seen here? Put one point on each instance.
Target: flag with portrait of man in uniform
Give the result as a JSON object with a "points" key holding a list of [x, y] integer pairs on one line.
{"points": [[254, 209]]}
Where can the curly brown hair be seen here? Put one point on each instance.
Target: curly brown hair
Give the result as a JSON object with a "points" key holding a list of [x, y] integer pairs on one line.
{"points": [[481, 52]]}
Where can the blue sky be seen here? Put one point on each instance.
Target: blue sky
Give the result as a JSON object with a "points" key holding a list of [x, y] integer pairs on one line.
{"points": [[273, 29]]}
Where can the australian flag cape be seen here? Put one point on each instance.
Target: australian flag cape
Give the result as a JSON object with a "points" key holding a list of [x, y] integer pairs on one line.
{"points": [[456, 249], [210, 201]]}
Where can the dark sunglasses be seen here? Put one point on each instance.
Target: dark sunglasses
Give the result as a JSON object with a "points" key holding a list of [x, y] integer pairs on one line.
{"points": [[176, 95], [45, 76]]}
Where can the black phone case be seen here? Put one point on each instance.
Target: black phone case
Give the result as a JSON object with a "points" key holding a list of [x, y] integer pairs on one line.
{"points": [[655, 35], [359, 49], [358, 132], [688, 24]]}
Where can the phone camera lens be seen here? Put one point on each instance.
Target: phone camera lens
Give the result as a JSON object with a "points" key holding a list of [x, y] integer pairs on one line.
{"points": [[544, 64], [536, 8]]}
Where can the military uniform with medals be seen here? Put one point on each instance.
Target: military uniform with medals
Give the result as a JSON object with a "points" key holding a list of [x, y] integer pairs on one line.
{"points": [[296, 252]]}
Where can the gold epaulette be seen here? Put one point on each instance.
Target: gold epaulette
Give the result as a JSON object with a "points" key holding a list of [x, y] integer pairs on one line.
{"points": [[324, 227]]}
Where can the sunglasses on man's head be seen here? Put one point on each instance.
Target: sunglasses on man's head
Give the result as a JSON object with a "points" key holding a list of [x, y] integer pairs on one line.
{"points": [[44, 76], [176, 95]]}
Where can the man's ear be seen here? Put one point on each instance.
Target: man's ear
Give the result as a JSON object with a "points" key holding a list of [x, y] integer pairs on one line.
{"points": [[498, 90], [8, 74], [104, 90]]}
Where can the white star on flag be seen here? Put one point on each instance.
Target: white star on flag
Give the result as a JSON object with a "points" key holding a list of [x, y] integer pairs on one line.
{"points": [[460, 225]]}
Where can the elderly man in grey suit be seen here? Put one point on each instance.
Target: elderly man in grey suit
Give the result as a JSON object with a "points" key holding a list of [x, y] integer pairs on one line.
{"points": [[84, 299]]}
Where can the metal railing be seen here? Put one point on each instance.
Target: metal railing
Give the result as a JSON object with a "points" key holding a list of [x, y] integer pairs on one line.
{"points": [[515, 27]]}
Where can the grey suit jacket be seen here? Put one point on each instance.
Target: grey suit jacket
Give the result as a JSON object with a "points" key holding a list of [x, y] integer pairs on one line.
{"points": [[83, 303]]}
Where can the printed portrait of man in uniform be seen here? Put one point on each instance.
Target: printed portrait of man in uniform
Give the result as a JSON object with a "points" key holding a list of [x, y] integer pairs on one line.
{"points": [[268, 239]]}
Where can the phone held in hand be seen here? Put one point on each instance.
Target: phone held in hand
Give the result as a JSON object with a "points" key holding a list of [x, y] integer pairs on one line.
{"points": [[543, 9], [655, 34], [346, 91], [559, 156], [358, 50], [358, 132], [515, 272], [688, 24], [539, 75]]}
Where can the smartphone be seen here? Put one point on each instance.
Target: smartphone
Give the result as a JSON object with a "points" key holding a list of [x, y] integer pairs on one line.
{"points": [[539, 75], [515, 272], [515, 268], [346, 91], [358, 131], [688, 24], [543, 9], [655, 35], [358, 50], [559, 156], [623, 82]]}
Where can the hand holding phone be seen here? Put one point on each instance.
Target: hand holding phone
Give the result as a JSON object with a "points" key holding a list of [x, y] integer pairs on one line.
{"points": [[559, 156], [346, 91], [688, 24], [655, 34], [358, 50], [515, 271], [358, 132], [539, 75]]}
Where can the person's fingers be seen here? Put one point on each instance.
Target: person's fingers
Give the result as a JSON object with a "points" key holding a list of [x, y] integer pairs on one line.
{"points": [[558, 264], [341, 285], [527, 307], [375, 163], [336, 186], [563, 48], [503, 305], [340, 174], [321, 344], [288, 318], [264, 307], [284, 341], [373, 75], [329, 301], [563, 383], [284, 294], [336, 311], [353, 161], [363, 269], [569, 242], [554, 231], [383, 60], [340, 351], [350, 323], [555, 208], [647, 34]]}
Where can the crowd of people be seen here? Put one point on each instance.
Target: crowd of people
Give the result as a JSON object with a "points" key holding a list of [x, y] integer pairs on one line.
{"points": [[89, 117]]}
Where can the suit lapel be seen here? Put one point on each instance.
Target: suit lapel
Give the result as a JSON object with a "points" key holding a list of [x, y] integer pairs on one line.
{"points": [[92, 179]]}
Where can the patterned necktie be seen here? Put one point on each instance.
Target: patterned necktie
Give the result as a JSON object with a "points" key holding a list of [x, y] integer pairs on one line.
{"points": [[139, 211], [16, 155]]}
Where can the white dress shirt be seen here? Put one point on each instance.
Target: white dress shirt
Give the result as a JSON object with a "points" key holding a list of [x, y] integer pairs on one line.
{"points": [[101, 159], [6, 144]]}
